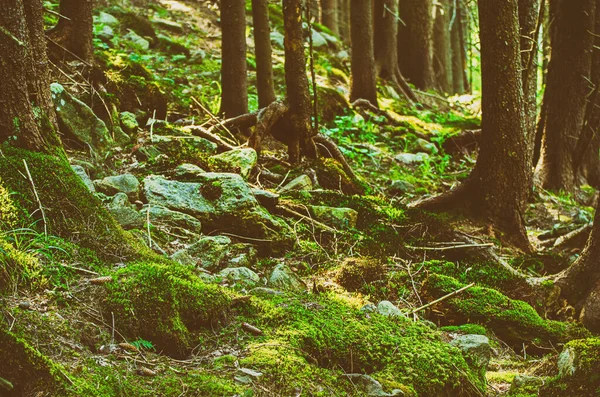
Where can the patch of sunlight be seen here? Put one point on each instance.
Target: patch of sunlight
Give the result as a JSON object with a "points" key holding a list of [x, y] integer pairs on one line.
{"points": [[174, 5]]}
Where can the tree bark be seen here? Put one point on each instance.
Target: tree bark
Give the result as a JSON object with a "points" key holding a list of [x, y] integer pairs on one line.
{"points": [[579, 283], [300, 140], [363, 57], [329, 15], [567, 88], [529, 12], [344, 20], [500, 183], [75, 33], [234, 80], [386, 36], [442, 45], [263, 52], [459, 61], [415, 42], [24, 80]]}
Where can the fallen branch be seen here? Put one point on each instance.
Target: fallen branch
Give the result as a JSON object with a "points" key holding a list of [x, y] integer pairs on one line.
{"points": [[443, 298], [40, 206], [452, 247], [202, 132]]}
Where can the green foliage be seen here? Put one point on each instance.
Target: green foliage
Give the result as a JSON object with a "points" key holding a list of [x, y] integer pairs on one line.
{"points": [[143, 344], [466, 329]]}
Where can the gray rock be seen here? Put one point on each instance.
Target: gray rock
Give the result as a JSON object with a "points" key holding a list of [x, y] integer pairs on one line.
{"points": [[187, 172], [196, 142], [318, 39], [266, 198], [168, 25], [106, 33], [425, 146], [197, 56], [126, 183], [79, 170], [125, 213], [368, 386], [368, 308], [224, 202], [399, 186], [240, 274], [107, 19], [128, 122], [265, 291], [239, 161], [215, 252], [283, 278], [137, 41], [277, 38], [521, 380], [79, 121], [343, 218], [476, 349], [250, 372], [331, 39], [302, 182], [567, 362], [343, 55], [411, 158], [388, 309], [162, 216]]}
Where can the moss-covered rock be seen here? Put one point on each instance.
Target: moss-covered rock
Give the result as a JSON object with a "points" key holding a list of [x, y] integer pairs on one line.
{"points": [[165, 304]]}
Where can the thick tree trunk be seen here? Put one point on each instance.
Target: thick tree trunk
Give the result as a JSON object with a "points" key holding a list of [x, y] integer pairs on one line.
{"points": [[296, 81], [567, 88], [234, 80], [344, 20], [264, 61], [415, 42], [459, 60], [579, 283], [363, 58], [24, 79], [442, 46], [329, 15], [75, 33], [500, 183]]}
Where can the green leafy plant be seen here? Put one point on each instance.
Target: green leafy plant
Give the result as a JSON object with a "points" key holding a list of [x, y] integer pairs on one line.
{"points": [[143, 344]]}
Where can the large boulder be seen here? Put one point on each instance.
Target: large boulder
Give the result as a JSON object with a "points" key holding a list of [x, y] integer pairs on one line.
{"points": [[216, 252], [222, 202], [162, 216], [282, 278], [78, 121], [239, 161]]}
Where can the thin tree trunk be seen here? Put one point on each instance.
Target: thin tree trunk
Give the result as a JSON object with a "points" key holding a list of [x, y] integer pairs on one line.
{"points": [[386, 34], [344, 20], [528, 22], [74, 33], [234, 80], [567, 88], [264, 61], [363, 57], [415, 42], [300, 140], [329, 15], [442, 46], [458, 43]]}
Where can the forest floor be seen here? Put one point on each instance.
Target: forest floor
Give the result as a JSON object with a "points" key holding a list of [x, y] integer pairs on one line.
{"points": [[279, 280]]}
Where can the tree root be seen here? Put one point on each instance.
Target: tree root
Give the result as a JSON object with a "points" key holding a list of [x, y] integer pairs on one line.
{"points": [[465, 142], [202, 132]]}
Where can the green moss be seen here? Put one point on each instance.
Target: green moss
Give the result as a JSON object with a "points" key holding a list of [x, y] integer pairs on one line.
{"points": [[71, 211], [467, 329], [8, 210], [486, 274], [18, 267], [357, 273], [585, 381], [165, 304], [331, 175], [514, 321]]}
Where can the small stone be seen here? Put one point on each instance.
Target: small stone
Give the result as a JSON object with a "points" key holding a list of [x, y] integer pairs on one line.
{"points": [[399, 187], [107, 19], [343, 218], [266, 198], [476, 349], [250, 372], [277, 38], [128, 122], [106, 33], [368, 308], [368, 386], [125, 213], [168, 25], [388, 309], [187, 172], [126, 183], [239, 161], [197, 56], [265, 291], [240, 274], [318, 39], [137, 41], [25, 305], [302, 182], [411, 158], [79, 170], [283, 278], [424, 146]]}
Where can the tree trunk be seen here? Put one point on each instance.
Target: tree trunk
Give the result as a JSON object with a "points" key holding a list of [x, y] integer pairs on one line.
{"points": [[528, 22], [234, 81], [75, 33], [363, 58], [344, 20], [579, 283], [442, 53], [459, 61], [24, 79], [300, 140], [264, 61], [500, 183], [415, 42], [329, 15], [567, 88], [386, 36]]}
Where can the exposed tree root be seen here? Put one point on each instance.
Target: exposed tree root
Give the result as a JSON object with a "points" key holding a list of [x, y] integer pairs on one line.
{"points": [[266, 119], [465, 142]]}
